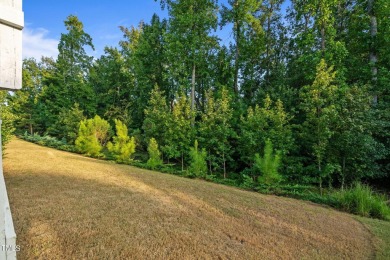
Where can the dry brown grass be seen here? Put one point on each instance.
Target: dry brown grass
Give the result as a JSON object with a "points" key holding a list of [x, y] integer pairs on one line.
{"points": [[66, 206]]}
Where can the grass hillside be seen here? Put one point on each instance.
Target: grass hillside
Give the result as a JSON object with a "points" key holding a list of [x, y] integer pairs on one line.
{"points": [[68, 206]]}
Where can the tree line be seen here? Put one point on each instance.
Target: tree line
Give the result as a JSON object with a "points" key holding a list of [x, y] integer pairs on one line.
{"points": [[305, 88]]}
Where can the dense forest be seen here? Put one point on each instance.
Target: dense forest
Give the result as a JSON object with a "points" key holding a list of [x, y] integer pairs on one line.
{"points": [[299, 94]]}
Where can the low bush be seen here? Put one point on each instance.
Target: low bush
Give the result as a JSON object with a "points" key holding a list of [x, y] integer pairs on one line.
{"points": [[92, 136], [198, 166], [154, 161], [268, 165], [49, 141], [123, 146], [228, 182], [211, 178], [362, 200], [171, 169], [247, 182], [302, 192]]}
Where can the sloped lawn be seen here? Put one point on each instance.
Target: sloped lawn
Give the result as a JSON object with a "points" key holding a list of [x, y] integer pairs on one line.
{"points": [[68, 206]]}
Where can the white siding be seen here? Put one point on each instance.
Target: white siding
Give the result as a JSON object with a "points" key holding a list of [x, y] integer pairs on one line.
{"points": [[11, 25]]}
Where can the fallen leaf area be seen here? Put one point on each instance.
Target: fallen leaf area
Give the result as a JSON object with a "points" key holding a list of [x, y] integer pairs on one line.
{"points": [[66, 206]]}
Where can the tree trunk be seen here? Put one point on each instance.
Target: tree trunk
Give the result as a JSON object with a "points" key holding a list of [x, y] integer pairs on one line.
{"points": [[319, 170], [343, 174], [193, 91], [307, 19], [30, 125], [270, 11], [237, 56], [323, 40], [224, 165], [182, 162], [373, 54], [341, 18], [210, 164]]}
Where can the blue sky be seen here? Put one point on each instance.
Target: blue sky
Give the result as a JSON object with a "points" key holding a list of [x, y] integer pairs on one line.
{"points": [[44, 22]]}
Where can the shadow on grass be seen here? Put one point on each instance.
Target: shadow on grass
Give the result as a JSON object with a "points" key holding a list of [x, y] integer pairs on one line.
{"points": [[64, 217]]}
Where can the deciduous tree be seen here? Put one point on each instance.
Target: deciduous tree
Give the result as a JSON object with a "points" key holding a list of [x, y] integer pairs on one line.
{"points": [[318, 102]]}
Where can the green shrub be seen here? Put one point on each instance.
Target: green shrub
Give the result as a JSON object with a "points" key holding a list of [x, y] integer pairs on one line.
{"points": [[8, 118], [154, 155], [198, 165], [49, 141], [168, 168], [325, 199], [68, 148], [361, 200], [123, 146], [212, 177], [268, 165], [380, 208], [86, 142], [227, 181], [92, 136], [247, 182]]}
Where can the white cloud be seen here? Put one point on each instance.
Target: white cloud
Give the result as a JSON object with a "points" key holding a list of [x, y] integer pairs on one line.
{"points": [[36, 44]]}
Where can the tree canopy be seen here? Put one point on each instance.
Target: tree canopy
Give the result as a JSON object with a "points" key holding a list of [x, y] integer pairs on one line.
{"points": [[305, 86]]}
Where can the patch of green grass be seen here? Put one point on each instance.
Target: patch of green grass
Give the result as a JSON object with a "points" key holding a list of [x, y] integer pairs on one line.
{"points": [[381, 230]]}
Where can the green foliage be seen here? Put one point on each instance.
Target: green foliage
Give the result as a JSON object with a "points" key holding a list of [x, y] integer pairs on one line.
{"points": [[179, 132], [360, 199], [67, 124], [261, 123], [352, 145], [268, 165], [49, 141], [247, 182], [24, 102], [277, 80], [93, 135], [216, 130], [242, 13], [144, 55], [318, 102], [156, 117], [8, 118], [189, 44], [86, 142], [198, 165], [123, 146], [154, 155], [67, 82], [112, 85]]}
